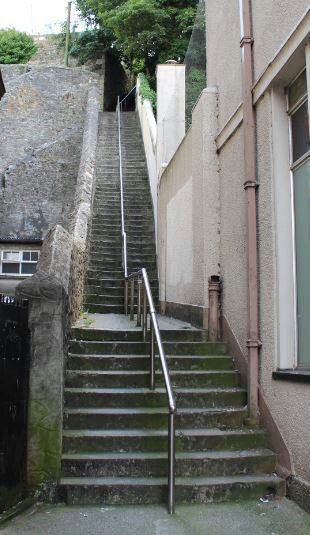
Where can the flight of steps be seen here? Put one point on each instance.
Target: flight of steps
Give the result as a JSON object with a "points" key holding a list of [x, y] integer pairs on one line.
{"points": [[115, 427], [104, 292]]}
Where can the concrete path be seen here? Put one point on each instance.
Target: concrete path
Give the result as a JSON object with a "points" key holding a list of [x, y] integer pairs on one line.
{"points": [[281, 517], [120, 322]]}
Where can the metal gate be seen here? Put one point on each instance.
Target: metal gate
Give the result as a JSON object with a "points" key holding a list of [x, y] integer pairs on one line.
{"points": [[14, 379]]}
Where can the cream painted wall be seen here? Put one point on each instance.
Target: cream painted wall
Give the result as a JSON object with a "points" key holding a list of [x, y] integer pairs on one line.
{"points": [[223, 55], [233, 237], [272, 23], [289, 402], [188, 208], [197, 170]]}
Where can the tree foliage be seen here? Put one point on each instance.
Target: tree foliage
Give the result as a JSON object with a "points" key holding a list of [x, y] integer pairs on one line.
{"points": [[144, 32], [16, 47], [91, 44]]}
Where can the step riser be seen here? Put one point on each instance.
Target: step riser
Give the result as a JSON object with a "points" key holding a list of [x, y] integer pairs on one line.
{"points": [[78, 380], [219, 398], [147, 494], [218, 419], [136, 336], [143, 363], [141, 348], [158, 467], [146, 444]]}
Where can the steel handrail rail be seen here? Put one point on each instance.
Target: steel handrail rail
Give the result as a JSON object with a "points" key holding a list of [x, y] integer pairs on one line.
{"points": [[124, 234], [128, 95], [155, 332]]}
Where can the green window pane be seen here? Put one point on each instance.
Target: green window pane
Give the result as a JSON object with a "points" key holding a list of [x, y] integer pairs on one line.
{"points": [[8, 268], [300, 132], [298, 89], [302, 234], [28, 269]]}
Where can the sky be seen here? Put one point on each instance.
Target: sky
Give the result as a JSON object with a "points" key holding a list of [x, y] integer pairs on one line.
{"points": [[34, 16]]}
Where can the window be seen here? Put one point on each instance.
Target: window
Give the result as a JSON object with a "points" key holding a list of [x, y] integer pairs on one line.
{"points": [[298, 111], [300, 166], [18, 263]]}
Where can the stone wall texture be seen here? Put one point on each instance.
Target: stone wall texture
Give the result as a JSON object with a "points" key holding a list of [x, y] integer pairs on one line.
{"points": [[42, 125]]}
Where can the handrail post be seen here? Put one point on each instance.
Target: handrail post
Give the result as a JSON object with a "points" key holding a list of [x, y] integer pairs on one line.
{"points": [[171, 460], [144, 314], [139, 302], [132, 299], [126, 297], [152, 352]]}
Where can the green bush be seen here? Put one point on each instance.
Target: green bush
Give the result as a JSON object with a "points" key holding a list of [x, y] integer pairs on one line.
{"points": [[90, 44], [146, 91], [16, 47]]}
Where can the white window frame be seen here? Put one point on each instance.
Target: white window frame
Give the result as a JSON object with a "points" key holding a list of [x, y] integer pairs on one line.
{"points": [[20, 261], [283, 167]]}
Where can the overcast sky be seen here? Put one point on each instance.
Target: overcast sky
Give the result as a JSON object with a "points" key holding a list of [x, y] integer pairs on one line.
{"points": [[34, 16]]}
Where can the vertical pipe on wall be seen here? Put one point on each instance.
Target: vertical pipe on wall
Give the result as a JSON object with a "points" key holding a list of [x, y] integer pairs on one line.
{"points": [[250, 186]]}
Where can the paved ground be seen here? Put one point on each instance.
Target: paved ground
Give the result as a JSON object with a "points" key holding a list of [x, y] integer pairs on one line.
{"points": [[253, 518], [121, 322]]}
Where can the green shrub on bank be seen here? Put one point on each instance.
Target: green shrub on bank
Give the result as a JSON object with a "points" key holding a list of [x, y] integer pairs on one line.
{"points": [[90, 44], [16, 47], [146, 92]]}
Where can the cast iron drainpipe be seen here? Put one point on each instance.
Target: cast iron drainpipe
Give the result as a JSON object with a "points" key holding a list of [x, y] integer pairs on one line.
{"points": [[253, 342]]}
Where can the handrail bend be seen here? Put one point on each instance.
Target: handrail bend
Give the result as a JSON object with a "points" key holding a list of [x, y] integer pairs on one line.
{"points": [[145, 301]]}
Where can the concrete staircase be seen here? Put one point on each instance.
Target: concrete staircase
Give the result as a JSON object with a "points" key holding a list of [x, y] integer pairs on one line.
{"points": [[115, 428], [104, 280]]}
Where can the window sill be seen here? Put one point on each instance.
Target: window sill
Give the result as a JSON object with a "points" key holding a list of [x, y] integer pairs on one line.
{"points": [[301, 375]]}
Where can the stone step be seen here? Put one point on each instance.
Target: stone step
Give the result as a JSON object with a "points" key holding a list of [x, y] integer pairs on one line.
{"points": [[142, 348], [108, 298], [108, 282], [143, 397], [154, 464], [103, 309], [136, 440], [135, 379], [97, 261], [142, 362], [153, 418], [135, 491], [193, 335]]}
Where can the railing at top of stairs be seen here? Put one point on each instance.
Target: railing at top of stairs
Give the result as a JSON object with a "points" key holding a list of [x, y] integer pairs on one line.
{"points": [[145, 304]]}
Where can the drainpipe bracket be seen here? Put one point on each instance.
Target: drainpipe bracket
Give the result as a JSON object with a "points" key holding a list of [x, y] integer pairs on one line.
{"points": [[253, 344], [246, 40], [250, 184]]}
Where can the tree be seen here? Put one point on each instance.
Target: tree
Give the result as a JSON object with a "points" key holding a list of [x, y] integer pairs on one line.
{"points": [[16, 47], [145, 32]]}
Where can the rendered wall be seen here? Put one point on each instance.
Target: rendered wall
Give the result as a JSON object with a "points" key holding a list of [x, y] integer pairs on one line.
{"points": [[149, 135], [188, 233], [273, 22], [289, 403]]}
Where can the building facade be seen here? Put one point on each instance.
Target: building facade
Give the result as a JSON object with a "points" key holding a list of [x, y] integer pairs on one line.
{"points": [[233, 202]]}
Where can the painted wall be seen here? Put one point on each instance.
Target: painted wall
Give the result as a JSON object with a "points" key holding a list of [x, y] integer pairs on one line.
{"points": [[184, 212], [188, 211], [149, 135], [273, 22]]}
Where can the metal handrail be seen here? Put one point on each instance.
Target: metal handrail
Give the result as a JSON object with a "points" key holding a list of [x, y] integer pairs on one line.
{"points": [[145, 298], [124, 234], [119, 109]]}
